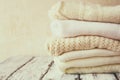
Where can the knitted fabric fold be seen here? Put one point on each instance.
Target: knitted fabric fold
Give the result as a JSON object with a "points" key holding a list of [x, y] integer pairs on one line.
{"points": [[72, 28], [72, 10], [83, 54], [63, 45], [89, 62], [100, 69]]}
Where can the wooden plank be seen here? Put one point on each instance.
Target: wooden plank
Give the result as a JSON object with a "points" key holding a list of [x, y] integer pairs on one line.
{"points": [[97, 77], [35, 70], [118, 76], [11, 65], [55, 74], [69, 77]]}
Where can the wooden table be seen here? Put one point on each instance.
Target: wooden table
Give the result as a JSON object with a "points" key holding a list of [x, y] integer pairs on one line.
{"points": [[42, 68]]}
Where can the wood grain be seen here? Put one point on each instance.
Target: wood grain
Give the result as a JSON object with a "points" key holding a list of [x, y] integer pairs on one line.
{"points": [[118, 76], [43, 68], [10, 66], [97, 77], [34, 70], [55, 74]]}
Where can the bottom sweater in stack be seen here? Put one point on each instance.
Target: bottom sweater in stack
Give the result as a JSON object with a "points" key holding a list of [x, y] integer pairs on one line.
{"points": [[86, 54]]}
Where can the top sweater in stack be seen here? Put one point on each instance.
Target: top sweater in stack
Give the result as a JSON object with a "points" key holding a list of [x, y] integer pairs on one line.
{"points": [[86, 11]]}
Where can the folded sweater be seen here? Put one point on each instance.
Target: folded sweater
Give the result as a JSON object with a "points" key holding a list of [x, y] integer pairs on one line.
{"points": [[67, 10], [72, 28], [63, 45], [83, 54], [99, 69], [88, 62]]}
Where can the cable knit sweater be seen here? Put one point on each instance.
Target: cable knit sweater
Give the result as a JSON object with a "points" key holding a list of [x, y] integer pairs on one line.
{"points": [[62, 45], [67, 10]]}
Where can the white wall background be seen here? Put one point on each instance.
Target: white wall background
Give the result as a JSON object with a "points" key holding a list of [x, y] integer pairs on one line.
{"points": [[24, 27]]}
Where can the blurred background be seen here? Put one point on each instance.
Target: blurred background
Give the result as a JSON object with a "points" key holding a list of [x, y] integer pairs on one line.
{"points": [[24, 27]]}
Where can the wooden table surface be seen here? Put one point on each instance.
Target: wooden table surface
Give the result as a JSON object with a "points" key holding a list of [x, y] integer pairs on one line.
{"points": [[42, 68]]}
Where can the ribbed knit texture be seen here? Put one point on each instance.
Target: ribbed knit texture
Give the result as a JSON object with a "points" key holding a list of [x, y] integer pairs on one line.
{"points": [[72, 10], [62, 45]]}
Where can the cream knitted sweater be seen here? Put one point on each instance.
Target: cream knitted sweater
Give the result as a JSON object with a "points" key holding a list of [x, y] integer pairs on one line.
{"points": [[72, 28], [99, 69], [67, 10], [62, 45], [83, 54], [88, 62]]}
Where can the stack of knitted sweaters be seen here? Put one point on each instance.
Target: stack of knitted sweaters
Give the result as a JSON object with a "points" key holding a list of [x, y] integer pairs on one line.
{"points": [[87, 36]]}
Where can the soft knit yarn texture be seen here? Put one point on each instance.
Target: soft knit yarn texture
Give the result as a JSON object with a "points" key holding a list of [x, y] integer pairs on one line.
{"points": [[63, 45], [72, 10], [99, 69], [72, 28], [83, 54], [88, 62]]}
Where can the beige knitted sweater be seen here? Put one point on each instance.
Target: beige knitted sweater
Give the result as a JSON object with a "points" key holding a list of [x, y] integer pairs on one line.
{"points": [[100, 69], [62, 45], [87, 11]]}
